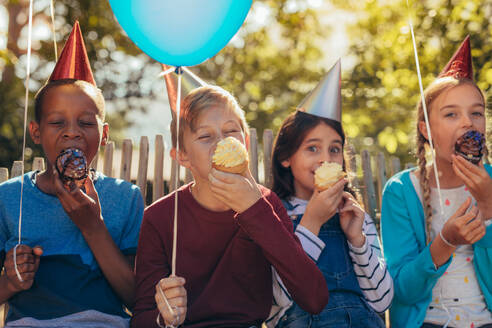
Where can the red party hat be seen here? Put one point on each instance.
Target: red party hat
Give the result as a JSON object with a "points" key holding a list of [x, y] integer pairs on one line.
{"points": [[73, 62], [189, 82], [460, 65]]}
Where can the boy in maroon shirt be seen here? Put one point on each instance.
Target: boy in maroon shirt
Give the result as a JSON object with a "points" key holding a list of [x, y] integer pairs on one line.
{"points": [[231, 231]]}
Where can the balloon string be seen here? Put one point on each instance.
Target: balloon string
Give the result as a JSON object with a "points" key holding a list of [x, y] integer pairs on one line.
{"points": [[424, 106], [169, 70], [176, 180], [188, 72], [52, 10], [26, 101], [176, 183], [169, 307]]}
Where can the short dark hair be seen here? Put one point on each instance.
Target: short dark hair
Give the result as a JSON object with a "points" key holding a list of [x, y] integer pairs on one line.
{"points": [[289, 138], [86, 86]]}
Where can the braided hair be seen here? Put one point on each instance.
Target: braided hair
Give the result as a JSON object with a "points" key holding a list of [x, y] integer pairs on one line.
{"points": [[430, 94]]}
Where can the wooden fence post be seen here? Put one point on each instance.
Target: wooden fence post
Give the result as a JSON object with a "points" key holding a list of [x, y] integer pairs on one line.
{"points": [[253, 153], [409, 165], [370, 194], [395, 165], [352, 165], [16, 169], [380, 177], [267, 157], [4, 174], [108, 159], [126, 159], [143, 160], [38, 164], [158, 185]]}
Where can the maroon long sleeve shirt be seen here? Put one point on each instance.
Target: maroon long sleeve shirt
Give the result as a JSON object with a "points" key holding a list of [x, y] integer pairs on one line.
{"points": [[226, 260]]}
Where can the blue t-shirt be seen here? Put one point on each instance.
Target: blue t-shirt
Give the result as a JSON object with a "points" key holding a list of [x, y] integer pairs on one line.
{"points": [[69, 279]]}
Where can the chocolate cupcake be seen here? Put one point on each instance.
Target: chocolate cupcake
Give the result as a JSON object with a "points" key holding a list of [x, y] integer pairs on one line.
{"points": [[470, 146], [71, 165]]}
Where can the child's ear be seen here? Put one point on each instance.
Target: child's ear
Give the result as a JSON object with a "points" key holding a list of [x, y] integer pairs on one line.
{"points": [[285, 163], [105, 134], [34, 132], [182, 157], [423, 129]]}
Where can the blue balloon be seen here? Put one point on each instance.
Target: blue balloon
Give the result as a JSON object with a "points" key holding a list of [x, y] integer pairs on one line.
{"points": [[180, 32]]}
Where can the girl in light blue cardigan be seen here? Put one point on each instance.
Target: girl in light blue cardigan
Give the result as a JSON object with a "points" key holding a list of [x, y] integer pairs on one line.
{"points": [[441, 260]]}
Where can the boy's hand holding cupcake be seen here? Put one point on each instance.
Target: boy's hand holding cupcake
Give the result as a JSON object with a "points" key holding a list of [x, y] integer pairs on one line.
{"points": [[81, 205], [230, 178], [329, 181]]}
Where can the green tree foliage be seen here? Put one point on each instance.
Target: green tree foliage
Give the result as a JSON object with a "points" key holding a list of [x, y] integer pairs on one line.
{"points": [[269, 69], [381, 91], [275, 66], [124, 74]]}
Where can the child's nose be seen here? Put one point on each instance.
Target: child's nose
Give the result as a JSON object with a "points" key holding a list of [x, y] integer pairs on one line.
{"points": [[325, 157], [466, 121], [71, 131]]}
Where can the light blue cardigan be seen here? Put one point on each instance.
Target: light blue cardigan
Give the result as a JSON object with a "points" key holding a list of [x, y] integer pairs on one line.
{"points": [[408, 257]]}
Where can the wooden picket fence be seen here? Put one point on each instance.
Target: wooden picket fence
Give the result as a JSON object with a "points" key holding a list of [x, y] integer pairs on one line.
{"points": [[155, 179]]}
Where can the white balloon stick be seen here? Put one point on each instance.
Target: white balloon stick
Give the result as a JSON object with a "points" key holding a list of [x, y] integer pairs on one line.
{"points": [[424, 106]]}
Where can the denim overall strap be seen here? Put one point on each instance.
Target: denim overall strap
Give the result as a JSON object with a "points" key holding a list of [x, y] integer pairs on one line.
{"points": [[295, 218], [346, 306], [334, 262]]}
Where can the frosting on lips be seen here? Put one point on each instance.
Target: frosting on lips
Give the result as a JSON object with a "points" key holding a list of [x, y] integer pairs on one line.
{"points": [[229, 153], [71, 165], [327, 174], [470, 146]]}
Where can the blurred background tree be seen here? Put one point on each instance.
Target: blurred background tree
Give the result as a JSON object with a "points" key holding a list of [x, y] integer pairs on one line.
{"points": [[269, 67], [268, 71], [381, 91]]}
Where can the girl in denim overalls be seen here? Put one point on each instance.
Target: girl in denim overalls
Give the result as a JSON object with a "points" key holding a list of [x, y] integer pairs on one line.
{"points": [[331, 225]]}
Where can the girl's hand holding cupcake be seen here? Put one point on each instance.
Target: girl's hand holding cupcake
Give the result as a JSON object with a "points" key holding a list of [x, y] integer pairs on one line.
{"points": [[478, 182], [322, 206], [352, 219], [464, 227]]}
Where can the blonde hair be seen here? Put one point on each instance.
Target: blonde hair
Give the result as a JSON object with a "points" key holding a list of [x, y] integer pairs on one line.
{"points": [[197, 102], [430, 94]]}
